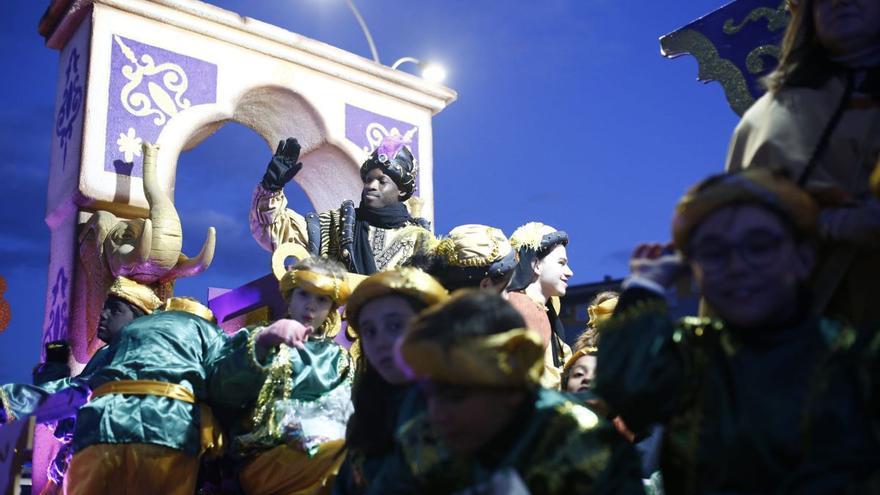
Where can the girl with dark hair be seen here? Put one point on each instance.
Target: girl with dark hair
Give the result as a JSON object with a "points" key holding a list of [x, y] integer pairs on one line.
{"points": [[379, 311], [820, 121]]}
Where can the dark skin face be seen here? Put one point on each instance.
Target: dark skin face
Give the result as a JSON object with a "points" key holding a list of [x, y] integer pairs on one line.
{"points": [[380, 190], [115, 314]]}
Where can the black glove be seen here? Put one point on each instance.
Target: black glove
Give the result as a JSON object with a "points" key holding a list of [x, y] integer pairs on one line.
{"points": [[283, 166]]}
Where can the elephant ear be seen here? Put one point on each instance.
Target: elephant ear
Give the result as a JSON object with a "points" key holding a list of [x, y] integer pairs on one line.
{"points": [[97, 228]]}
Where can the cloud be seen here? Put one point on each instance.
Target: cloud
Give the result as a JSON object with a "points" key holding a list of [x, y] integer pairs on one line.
{"points": [[26, 136], [24, 237]]}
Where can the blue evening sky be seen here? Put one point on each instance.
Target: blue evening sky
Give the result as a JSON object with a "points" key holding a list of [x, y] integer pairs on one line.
{"points": [[567, 114]]}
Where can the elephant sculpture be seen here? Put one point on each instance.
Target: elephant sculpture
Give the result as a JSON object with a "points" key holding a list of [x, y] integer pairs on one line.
{"points": [[147, 250]]}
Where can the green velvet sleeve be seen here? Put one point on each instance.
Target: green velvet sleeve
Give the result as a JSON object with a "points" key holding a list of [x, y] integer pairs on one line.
{"points": [[234, 373], [640, 370], [22, 400]]}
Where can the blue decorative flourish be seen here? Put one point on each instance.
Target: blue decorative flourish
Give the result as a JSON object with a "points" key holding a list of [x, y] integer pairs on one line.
{"points": [[71, 103], [57, 328], [734, 46]]}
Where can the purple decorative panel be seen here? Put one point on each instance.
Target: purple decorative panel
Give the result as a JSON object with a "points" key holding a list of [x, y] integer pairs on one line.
{"points": [[67, 129], [59, 288], [250, 296], [58, 307], [148, 87], [70, 110], [366, 129]]}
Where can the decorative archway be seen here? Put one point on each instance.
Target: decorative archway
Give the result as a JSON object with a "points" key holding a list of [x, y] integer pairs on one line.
{"points": [[172, 72]]}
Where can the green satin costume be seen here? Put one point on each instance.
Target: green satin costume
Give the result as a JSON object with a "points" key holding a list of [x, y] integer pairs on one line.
{"points": [[313, 383], [174, 347], [298, 426], [793, 408], [554, 445]]}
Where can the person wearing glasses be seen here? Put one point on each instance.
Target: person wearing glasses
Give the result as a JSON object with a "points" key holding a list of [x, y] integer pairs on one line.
{"points": [[820, 121], [766, 398]]}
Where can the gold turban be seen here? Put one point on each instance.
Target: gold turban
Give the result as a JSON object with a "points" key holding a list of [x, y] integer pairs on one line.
{"points": [[533, 235], [473, 245], [191, 306], [601, 312], [405, 281], [751, 186], [137, 294], [514, 358], [316, 282], [584, 351]]}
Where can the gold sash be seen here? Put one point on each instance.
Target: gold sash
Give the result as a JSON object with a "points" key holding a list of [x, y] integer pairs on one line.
{"points": [[211, 434]]}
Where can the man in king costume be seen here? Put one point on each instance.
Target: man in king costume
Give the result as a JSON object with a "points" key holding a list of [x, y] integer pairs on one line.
{"points": [[379, 234]]}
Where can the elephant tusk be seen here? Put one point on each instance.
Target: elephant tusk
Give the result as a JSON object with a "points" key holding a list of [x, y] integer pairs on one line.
{"points": [[188, 267]]}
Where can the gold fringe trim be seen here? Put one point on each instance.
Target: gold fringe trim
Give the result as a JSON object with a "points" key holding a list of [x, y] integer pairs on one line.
{"points": [[4, 399]]}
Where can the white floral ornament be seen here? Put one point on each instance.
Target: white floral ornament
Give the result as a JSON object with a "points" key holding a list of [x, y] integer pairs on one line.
{"points": [[129, 144]]}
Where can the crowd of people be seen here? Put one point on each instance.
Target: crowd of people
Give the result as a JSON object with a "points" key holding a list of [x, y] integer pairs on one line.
{"points": [[415, 364]]}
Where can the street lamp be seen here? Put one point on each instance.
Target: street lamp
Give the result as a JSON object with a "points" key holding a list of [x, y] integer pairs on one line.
{"points": [[430, 71], [366, 31]]}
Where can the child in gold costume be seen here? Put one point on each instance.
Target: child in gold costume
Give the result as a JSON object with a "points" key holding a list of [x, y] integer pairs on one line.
{"points": [[298, 426], [488, 427]]}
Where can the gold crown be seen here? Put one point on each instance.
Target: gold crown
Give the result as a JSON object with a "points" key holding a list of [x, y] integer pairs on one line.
{"points": [[530, 235], [191, 306], [325, 284], [751, 186], [137, 294], [473, 245], [512, 358], [407, 281]]}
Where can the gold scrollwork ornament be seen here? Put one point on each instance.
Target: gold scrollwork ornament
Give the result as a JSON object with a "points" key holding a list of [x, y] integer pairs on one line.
{"points": [[776, 19]]}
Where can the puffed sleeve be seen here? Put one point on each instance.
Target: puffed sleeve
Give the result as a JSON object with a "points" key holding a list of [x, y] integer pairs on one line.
{"points": [[23, 400], [272, 223], [234, 374]]}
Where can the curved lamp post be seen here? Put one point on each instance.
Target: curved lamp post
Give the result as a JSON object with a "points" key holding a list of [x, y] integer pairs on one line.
{"points": [[366, 31], [430, 71]]}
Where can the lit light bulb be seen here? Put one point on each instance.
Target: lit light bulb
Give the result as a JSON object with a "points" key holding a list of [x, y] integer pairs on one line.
{"points": [[434, 73]]}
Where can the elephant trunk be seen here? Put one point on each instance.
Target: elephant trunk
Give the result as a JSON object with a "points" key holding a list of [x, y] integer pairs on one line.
{"points": [[167, 236]]}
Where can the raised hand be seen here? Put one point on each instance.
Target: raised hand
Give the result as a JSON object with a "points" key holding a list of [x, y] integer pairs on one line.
{"points": [[289, 332], [283, 166]]}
